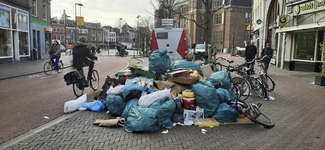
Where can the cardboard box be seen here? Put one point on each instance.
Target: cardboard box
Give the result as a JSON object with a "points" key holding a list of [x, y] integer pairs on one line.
{"points": [[207, 71], [185, 80], [179, 88], [207, 122]]}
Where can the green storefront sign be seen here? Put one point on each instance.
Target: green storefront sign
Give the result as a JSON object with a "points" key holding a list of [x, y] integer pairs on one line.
{"points": [[297, 9]]}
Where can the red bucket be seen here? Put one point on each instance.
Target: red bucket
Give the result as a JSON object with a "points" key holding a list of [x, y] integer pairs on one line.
{"points": [[189, 102]]}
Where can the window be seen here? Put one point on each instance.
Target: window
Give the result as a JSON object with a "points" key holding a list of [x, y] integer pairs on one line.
{"points": [[5, 43], [34, 8], [44, 10], [23, 43], [54, 36], [62, 30], [62, 38], [58, 29], [54, 29], [59, 37], [305, 46]]}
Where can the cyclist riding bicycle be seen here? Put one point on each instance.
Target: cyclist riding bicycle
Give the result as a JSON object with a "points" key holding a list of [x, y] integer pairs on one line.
{"points": [[81, 58], [55, 54]]}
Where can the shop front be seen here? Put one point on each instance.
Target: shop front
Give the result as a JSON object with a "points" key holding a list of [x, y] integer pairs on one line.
{"points": [[304, 36], [14, 34]]}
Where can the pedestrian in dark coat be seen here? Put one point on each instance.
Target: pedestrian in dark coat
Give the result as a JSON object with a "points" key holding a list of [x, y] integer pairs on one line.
{"points": [[269, 52], [81, 56], [250, 52]]}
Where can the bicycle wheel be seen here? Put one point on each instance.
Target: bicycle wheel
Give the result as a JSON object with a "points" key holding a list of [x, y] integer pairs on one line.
{"points": [[243, 86], [235, 89], [94, 81], [47, 68], [270, 83], [256, 116], [78, 88], [117, 54], [60, 67], [258, 88]]}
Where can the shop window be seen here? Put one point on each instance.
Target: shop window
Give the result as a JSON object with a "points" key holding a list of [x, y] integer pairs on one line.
{"points": [[305, 46], [5, 43], [5, 16], [22, 21], [321, 40], [23, 43]]}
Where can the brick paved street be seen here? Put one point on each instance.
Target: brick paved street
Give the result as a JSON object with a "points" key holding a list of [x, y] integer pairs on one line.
{"points": [[297, 112]]}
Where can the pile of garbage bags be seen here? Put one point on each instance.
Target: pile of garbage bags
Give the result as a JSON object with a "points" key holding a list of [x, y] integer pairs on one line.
{"points": [[145, 105]]}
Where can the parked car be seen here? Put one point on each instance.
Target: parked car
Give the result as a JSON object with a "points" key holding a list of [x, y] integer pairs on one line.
{"points": [[62, 48], [200, 50]]}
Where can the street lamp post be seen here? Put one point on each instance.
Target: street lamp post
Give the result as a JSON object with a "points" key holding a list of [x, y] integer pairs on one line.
{"points": [[65, 30], [75, 33], [138, 35]]}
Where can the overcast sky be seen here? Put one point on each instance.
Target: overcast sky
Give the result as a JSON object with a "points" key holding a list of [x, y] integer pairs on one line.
{"points": [[107, 12]]}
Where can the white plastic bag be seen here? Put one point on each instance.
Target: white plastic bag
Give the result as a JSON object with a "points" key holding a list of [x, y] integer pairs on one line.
{"points": [[146, 100], [74, 105], [115, 90], [71, 58]]}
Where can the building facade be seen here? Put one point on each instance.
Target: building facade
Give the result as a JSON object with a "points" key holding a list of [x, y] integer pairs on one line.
{"points": [[229, 22], [294, 28], [58, 32], [40, 28], [14, 31]]}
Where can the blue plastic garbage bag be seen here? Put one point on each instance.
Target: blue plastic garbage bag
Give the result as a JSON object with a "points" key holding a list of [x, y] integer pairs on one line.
{"points": [[226, 113], [159, 62], [95, 106], [132, 102], [115, 104], [188, 65], [166, 110], [206, 97], [220, 79], [141, 120], [140, 84], [225, 95]]}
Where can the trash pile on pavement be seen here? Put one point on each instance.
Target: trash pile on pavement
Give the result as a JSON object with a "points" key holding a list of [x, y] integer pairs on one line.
{"points": [[160, 93]]}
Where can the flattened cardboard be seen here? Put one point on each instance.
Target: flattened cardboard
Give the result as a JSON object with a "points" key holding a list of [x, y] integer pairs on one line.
{"points": [[185, 80], [207, 71], [179, 88]]}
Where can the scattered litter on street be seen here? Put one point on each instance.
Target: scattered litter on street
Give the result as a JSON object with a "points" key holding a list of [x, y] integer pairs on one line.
{"points": [[46, 117], [165, 132]]}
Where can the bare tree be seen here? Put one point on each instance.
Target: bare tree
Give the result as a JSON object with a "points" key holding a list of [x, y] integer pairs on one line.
{"points": [[206, 16], [143, 31]]}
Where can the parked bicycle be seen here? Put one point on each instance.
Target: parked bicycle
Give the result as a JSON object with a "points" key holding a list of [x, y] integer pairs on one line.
{"points": [[49, 67], [264, 77], [252, 112]]}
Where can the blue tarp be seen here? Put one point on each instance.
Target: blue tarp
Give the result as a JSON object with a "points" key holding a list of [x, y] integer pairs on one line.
{"points": [[188, 65], [220, 79], [96, 106]]}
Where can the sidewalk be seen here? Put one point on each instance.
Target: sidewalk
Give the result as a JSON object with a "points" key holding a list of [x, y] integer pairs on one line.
{"points": [[297, 113]]}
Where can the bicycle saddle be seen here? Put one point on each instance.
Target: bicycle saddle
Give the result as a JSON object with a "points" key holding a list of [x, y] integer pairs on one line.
{"points": [[230, 61]]}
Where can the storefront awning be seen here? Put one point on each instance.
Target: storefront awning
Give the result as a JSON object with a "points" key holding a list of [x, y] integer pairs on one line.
{"points": [[301, 27]]}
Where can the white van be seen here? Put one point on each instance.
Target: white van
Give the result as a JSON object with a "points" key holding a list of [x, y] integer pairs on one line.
{"points": [[176, 40], [199, 49]]}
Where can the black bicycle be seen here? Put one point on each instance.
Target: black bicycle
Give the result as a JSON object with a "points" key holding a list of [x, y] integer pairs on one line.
{"points": [[79, 83], [252, 112], [124, 53], [49, 67]]}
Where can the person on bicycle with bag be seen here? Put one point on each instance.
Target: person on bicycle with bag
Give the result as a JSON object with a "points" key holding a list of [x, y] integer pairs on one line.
{"points": [[269, 52], [55, 53], [81, 56]]}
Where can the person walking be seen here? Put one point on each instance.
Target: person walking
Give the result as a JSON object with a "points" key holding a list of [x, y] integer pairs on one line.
{"points": [[55, 54], [250, 53], [81, 56], [269, 52]]}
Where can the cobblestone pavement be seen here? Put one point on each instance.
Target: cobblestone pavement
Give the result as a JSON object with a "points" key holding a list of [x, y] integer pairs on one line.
{"points": [[297, 112]]}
